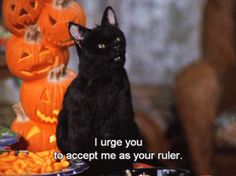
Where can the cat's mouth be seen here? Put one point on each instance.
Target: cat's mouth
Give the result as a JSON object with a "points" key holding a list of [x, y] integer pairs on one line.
{"points": [[117, 59]]}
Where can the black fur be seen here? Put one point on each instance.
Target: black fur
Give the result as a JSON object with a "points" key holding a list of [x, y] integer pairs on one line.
{"points": [[98, 103]]}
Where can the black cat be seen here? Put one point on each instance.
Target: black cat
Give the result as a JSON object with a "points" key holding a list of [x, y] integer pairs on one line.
{"points": [[98, 104]]}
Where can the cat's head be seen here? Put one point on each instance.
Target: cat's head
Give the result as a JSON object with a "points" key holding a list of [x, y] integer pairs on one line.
{"points": [[102, 47]]}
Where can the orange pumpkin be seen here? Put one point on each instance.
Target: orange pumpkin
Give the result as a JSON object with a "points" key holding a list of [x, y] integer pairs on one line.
{"points": [[18, 14], [22, 123], [31, 57], [54, 19], [35, 137], [21, 128], [48, 95], [48, 1]]}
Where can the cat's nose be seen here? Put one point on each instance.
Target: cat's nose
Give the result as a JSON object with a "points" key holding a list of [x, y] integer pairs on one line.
{"points": [[117, 48]]}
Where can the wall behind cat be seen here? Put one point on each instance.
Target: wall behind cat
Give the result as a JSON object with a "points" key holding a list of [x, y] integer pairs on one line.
{"points": [[162, 35]]}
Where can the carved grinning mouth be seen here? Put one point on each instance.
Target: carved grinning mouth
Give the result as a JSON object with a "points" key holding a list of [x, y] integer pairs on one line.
{"points": [[117, 59], [45, 118], [36, 71], [19, 27]]}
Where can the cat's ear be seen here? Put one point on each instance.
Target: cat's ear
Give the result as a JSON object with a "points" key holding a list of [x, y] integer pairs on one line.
{"points": [[109, 17], [77, 32]]}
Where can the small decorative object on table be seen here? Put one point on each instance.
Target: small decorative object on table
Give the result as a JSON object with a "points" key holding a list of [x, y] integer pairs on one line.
{"points": [[7, 138], [158, 172]]}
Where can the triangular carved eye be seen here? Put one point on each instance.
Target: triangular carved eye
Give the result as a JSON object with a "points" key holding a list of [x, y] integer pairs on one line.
{"points": [[45, 96], [52, 21], [43, 49], [23, 12], [13, 6], [24, 54], [33, 4]]}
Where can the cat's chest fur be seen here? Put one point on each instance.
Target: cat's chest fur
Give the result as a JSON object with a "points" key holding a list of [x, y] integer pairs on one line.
{"points": [[104, 93], [104, 88]]}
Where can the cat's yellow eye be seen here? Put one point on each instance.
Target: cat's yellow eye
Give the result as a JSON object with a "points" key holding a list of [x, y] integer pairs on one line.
{"points": [[101, 46], [118, 39]]}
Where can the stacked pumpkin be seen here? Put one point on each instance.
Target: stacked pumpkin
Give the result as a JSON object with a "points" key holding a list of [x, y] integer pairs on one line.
{"points": [[37, 53]]}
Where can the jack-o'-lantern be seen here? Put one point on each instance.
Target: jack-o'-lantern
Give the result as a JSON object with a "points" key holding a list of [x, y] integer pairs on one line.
{"points": [[41, 137], [54, 20], [48, 95], [32, 57], [33, 136], [21, 128], [18, 14]]}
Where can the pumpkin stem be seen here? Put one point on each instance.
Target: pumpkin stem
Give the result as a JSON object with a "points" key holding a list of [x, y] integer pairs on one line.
{"points": [[57, 73], [61, 3], [20, 114], [32, 34]]}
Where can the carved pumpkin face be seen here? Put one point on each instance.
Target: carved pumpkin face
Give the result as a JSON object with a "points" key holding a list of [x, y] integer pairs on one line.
{"points": [[35, 137], [54, 19], [48, 96], [17, 14], [32, 59]]}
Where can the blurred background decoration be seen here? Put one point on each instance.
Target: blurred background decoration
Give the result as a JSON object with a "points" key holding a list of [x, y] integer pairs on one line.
{"points": [[163, 37]]}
